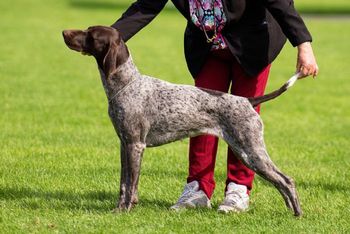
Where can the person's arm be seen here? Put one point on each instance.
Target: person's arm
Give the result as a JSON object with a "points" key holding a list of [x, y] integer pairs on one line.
{"points": [[137, 16], [295, 30]]}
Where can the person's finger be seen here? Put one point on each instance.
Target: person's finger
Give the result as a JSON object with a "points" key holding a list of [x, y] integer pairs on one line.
{"points": [[311, 70], [301, 76], [304, 71], [300, 73], [315, 72]]}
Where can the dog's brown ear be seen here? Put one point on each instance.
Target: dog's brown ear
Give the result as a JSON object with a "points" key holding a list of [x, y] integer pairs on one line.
{"points": [[117, 55], [110, 60]]}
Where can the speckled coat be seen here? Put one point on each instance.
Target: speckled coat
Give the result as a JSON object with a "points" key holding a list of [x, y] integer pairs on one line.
{"points": [[147, 112]]}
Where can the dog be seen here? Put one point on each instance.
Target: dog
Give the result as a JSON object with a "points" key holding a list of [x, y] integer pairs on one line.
{"points": [[148, 112]]}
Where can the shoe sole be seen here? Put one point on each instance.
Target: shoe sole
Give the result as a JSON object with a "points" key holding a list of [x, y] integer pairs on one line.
{"points": [[188, 206], [228, 209]]}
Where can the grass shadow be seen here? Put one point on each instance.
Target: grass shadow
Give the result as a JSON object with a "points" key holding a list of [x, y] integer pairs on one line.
{"points": [[94, 201], [325, 11], [106, 5], [325, 185], [35, 199], [19, 193], [154, 203], [123, 5]]}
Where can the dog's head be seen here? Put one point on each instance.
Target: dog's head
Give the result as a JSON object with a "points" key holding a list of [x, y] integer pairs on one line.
{"points": [[104, 43]]}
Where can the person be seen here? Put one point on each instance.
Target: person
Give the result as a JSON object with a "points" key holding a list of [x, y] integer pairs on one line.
{"points": [[227, 43]]}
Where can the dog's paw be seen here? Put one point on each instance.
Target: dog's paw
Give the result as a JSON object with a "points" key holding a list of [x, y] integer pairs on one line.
{"points": [[116, 210], [123, 207], [135, 199]]}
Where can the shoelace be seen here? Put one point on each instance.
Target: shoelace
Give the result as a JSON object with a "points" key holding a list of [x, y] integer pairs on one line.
{"points": [[186, 194], [232, 198]]}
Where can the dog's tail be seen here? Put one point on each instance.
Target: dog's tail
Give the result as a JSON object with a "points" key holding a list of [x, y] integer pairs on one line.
{"points": [[257, 100]]}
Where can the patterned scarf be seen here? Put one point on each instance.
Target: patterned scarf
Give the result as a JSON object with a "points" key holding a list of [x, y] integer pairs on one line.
{"points": [[208, 15]]}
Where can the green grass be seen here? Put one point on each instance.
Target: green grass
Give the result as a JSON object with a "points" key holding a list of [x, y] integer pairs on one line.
{"points": [[323, 6], [59, 169]]}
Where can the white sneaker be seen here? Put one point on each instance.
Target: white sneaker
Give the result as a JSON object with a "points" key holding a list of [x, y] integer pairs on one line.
{"points": [[236, 199], [192, 197]]}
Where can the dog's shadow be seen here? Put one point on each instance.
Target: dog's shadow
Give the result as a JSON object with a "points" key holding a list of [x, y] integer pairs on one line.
{"points": [[103, 201], [98, 201], [32, 198]]}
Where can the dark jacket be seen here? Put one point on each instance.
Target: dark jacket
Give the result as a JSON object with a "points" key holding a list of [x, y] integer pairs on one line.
{"points": [[255, 30]]}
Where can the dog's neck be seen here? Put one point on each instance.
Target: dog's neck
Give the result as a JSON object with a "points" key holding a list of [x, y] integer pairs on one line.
{"points": [[121, 78]]}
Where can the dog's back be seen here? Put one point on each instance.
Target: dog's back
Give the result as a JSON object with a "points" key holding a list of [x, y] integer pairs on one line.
{"points": [[172, 111]]}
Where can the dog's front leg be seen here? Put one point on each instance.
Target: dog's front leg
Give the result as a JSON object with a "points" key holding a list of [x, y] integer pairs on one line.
{"points": [[123, 178], [131, 156]]}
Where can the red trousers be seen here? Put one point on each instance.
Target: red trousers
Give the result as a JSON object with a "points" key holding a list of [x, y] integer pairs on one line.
{"points": [[219, 72]]}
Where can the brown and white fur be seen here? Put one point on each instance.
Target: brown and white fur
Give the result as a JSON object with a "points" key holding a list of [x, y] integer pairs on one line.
{"points": [[148, 112]]}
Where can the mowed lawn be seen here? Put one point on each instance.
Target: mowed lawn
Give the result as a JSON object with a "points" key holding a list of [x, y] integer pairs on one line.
{"points": [[60, 167], [324, 6]]}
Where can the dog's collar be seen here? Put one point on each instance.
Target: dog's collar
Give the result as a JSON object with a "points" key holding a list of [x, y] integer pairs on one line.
{"points": [[121, 90]]}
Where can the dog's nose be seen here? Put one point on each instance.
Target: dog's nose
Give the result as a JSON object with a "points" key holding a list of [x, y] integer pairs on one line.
{"points": [[66, 33]]}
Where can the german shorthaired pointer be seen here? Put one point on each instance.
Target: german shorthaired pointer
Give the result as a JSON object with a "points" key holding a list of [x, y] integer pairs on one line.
{"points": [[148, 112]]}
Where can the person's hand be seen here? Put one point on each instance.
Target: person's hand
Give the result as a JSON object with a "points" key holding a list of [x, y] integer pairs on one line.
{"points": [[306, 62]]}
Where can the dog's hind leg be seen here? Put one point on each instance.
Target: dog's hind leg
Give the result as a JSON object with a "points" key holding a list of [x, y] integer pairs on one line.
{"points": [[263, 166], [249, 147]]}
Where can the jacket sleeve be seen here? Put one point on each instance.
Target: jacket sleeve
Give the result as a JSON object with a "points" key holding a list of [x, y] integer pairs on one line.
{"points": [[289, 20], [137, 16]]}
